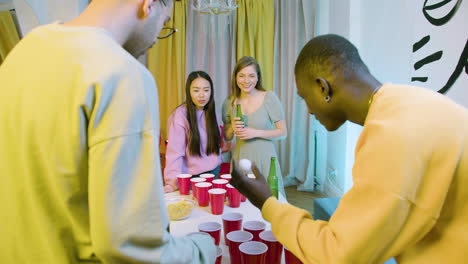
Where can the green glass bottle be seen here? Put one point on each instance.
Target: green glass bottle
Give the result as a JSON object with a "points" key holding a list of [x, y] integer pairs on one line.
{"points": [[273, 178], [239, 113]]}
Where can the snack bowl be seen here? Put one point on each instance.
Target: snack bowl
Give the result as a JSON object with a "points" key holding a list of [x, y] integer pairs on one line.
{"points": [[179, 208]]}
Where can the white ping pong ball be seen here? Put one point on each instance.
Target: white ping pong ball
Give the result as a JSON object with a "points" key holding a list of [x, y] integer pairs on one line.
{"points": [[246, 165]]}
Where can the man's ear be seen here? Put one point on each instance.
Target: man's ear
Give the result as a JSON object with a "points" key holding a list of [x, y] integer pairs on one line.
{"points": [[146, 7], [324, 86]]}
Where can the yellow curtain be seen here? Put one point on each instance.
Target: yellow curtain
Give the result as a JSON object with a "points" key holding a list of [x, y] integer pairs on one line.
{"points": [[256, 33], [166, 61], [9, 35]]}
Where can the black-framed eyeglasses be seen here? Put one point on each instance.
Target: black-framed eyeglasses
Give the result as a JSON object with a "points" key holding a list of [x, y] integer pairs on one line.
{"points": [[167, 32]]}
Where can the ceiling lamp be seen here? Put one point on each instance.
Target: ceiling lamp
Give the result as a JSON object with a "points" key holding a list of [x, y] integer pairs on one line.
{"points": [[214, 7]]}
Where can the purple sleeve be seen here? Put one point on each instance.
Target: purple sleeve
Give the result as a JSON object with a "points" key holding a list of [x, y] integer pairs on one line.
{"points": [[175, 153]]}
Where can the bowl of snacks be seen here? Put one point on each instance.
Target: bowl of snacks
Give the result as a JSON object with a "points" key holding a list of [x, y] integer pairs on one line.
{"points": [[179, 208]]}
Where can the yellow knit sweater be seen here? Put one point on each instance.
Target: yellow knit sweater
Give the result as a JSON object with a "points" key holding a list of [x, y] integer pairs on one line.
{"points": [[409, 198]]}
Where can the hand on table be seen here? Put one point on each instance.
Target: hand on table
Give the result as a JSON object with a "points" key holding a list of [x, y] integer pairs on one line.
{"points": [[256, 190], [168, 188], [171, 185]]}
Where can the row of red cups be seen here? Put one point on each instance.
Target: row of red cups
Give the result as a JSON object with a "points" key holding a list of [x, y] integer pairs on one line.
{"points": [[183, 180], [184, 189], [244, 249], [208, 190], [248, 246]]}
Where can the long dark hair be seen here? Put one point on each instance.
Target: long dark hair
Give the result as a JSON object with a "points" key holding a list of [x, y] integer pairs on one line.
{"points": [[241, 64], [213, 135]]}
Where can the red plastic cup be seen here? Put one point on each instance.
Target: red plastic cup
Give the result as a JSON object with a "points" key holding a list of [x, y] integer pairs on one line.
{"points": [[253, 252], [255, 228], [226, 177], [208, 176], [275, 249], [194, 181], [217, 200], [220, 183], [213, 229], [231, 222], [202, 193], [290, 258], [235, 238], [234, 196], [184, 183], [219, 255]]}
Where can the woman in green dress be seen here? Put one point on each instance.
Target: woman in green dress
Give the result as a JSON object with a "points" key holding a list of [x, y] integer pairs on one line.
{"points": [[263, 115]]}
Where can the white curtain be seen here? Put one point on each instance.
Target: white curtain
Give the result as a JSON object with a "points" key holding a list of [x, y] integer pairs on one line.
{"points": [[6, 5], [210, 47], [294, 26], [32, 13]]}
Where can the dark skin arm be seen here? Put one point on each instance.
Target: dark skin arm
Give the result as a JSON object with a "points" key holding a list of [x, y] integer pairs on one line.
{"points": [[256, 190]]}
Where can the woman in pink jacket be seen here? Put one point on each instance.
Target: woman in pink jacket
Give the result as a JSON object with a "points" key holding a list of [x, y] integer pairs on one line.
{"points": [[194, 139]]}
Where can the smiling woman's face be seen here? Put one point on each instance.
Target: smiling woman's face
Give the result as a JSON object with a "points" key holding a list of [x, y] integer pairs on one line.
{"points": [[247, 79]]}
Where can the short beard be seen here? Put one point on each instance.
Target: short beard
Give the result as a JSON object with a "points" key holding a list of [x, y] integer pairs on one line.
{"points": [[134, 47]]}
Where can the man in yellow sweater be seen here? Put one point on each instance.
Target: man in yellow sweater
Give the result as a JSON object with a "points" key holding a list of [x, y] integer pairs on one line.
{"points": [[409, 198], [79, 159]]}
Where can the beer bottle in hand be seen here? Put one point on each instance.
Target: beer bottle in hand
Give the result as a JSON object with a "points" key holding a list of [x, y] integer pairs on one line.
{"points": [[239, 113], [273, 178]]}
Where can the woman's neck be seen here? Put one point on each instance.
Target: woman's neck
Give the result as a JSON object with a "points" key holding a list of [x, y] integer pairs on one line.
{"points": [[244, 95]]}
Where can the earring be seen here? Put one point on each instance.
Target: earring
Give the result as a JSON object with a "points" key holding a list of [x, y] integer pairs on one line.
{"points": [[327, 99]]}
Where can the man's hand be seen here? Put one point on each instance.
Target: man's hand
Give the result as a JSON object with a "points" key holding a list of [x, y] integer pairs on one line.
{"points": [[256, 190]]}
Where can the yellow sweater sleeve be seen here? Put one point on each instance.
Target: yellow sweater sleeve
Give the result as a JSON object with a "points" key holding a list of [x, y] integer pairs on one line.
{"points": [[361, 232]]}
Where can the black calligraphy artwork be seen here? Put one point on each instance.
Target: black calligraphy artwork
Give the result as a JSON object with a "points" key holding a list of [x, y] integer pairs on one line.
{"points": [[462, 64]]}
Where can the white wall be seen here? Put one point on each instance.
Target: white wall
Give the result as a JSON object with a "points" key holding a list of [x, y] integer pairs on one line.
{"points": [[339, 17], [386, 39], [383, 33]]}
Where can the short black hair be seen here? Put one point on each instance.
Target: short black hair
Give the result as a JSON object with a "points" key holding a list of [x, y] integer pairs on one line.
{"points": [[331, 53]]}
